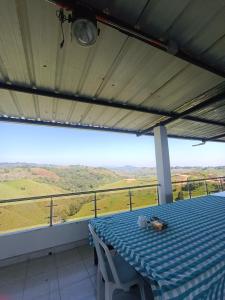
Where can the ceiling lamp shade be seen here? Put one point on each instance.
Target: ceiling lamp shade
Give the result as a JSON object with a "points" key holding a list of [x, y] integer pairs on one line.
{"points": [[84, 26]]}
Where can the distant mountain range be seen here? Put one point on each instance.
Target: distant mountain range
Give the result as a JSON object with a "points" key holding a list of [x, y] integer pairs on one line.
{"points": [[81, 178], [132, 171], [128, 168]]}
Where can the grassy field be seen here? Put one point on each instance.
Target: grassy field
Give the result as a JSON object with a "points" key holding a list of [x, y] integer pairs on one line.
{"points": [[129, 182], [26, 187], [24, 215], [27, 213], [119, 201]]}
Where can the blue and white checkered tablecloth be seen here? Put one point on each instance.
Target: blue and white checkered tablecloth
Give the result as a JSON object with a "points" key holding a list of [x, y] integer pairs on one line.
{"points": [[185, 261]]}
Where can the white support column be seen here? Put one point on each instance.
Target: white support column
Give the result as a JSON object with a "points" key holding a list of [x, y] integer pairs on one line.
{"points": [[163, 165]]}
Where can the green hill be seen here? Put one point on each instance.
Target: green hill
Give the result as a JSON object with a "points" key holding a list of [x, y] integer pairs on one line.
{"points": [[83, 178], [27, 188], [70, 178]]}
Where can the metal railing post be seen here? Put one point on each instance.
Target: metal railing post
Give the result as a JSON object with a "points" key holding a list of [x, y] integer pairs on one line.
{"points": [[206, 188], [130, 200], [189, 191], [95, 205], [157, 194], [95, 209], [51, 212], [221, 185]]}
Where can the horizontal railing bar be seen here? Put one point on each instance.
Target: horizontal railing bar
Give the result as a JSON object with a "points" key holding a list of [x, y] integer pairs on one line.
{"points": [[196, 180], [76, 194]]}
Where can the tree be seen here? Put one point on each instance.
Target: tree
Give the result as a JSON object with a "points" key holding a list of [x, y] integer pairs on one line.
{"points": [[72, 209]]}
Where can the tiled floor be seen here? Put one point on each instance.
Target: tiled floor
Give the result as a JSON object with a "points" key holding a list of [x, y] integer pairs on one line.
{"points": [[66, 275], [63, 276]]}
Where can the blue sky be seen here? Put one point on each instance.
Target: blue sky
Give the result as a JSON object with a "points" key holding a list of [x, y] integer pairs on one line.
{"points": [[39, 144]]}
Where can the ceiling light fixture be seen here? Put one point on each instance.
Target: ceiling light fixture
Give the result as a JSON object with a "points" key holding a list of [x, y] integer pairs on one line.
{"points": [[84, 26], [83, 23]]}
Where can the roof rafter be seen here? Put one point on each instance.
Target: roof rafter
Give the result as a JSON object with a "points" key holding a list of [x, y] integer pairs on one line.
{"points": [[114, 104], [92, 127], [216, 137], [185, 114]]}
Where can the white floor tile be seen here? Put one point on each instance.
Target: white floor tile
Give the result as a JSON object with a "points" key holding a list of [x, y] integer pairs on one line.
{"points": [[94, 281], [67, 258], [86, 251], [82, 290], [51, 296], [14, 272], [89, 264], [12, 291], [72, 273], [43, 284], [48, 296], [41, 265]]}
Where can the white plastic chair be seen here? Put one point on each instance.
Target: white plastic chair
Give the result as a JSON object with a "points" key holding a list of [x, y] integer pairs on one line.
{"points": [[115, 271]]}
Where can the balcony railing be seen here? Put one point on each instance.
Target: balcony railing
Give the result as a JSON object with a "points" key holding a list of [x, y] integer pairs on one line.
{"points": [[31, 212], [197, 187], [20, 213]]}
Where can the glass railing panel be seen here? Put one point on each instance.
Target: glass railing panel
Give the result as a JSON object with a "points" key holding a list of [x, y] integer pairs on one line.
{"points": [[73, 208], [222, 183], [144, 197], [112, 202], [214, 186], [21, 215], [181, 191], [198, 188]]}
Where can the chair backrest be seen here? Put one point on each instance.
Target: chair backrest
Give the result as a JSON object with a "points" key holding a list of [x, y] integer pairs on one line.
{"points": [[104, 258]]}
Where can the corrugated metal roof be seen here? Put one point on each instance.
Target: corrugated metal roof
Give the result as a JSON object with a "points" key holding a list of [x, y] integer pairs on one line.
{"points": [[117, 68]]}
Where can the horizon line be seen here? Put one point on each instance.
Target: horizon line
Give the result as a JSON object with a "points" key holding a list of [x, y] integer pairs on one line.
{"points": [[105, 166]]}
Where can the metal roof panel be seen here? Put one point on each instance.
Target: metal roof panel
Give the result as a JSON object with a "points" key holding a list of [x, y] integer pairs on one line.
{"points": [[117, 67]]}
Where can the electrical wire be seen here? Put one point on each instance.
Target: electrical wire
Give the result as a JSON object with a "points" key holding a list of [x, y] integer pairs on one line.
{"points": [[62, 18]]}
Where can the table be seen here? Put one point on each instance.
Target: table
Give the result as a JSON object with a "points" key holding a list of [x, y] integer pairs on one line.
{"points": [[187, 260]]}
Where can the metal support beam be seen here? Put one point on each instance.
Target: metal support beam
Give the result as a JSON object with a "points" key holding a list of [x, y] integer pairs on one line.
{"points": [[65, 125], [81, 98], [106, 103], [92, 127], [163, 165], [185, 114], [216, 137]]}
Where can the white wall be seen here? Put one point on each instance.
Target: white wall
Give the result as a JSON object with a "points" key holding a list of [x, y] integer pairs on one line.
{"points": [[24, 242]]}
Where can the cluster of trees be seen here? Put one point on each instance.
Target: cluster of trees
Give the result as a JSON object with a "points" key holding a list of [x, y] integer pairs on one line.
{"points": [[79, 178], [191, 186], [74, 205]]}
